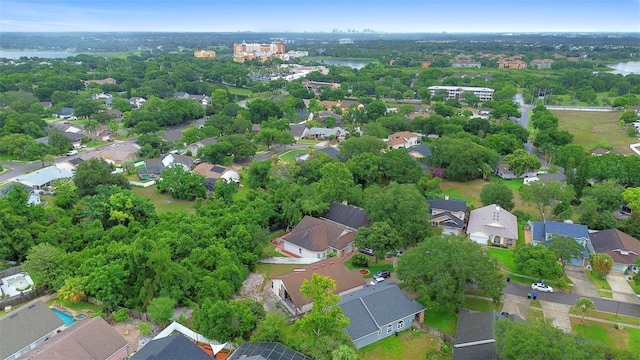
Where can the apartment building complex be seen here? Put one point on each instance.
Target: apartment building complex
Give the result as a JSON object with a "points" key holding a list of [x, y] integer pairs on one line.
{"points": [[512, 64], [465, 64], [263, 52], [455, 92], [204, 53]]}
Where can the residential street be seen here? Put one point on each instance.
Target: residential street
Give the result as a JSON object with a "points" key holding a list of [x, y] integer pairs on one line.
{"points": [[560, 297]]}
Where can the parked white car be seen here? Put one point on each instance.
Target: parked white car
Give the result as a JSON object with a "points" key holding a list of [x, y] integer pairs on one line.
{"points": [[542, 287], [72, 152], [376, 280]]}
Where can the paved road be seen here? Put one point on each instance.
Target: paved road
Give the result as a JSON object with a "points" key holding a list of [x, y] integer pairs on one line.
{"points": [[524, 110], [611, 306]]}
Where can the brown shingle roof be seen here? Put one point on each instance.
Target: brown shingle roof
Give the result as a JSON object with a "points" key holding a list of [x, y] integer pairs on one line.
{"points": [[318, 235], [89, 339], [334, 268], [614, 242]]}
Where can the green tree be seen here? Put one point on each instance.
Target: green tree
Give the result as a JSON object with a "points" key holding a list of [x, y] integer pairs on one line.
{"points": [[182, 184], [545, 195], [584, 306], [537, 261], [272, 329], [601, 263], [344, 352], [399, 166], [380, 237], [325, 317], [336, 183], [608, 194], [365, 169], [108, 284], [224, 320], [224, 190], [270, 136], [94, 172], [72, 290], [359, 145], [565, 248], [497, 193], [520, 162], [259, 173], [461, 159], [262, 109], [46, 265], [427, 269], [160, 310]]}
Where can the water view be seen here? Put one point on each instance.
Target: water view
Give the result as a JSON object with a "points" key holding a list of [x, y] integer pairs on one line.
{"points": [[32, 54], [354, 64], [626, 68]]}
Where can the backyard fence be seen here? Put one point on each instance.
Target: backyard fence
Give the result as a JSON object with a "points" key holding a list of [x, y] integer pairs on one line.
{"points": [[10, 271], [437, 332], [19, 299]]}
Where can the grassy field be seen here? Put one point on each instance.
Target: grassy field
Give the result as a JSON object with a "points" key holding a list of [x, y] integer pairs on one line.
{"points": [[239, 91], [408, 345], [625, 338], [504, 257], [476, 304], [164, 202], [290, 155], [595, 129], [470, 192], [443, 319]]}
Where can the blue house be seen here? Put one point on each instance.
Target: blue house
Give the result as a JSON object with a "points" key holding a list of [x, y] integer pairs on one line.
{"points": [[379, 311], [542, 232]]}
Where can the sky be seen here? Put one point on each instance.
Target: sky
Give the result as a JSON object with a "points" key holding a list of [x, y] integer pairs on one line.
{"points": [[391, 16]]}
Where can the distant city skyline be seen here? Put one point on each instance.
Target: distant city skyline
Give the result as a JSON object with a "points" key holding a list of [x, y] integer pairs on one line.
{"points": [[399, 16]]}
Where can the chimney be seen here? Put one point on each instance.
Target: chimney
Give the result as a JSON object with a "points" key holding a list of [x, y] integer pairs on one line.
{"points": [[446, 197]]}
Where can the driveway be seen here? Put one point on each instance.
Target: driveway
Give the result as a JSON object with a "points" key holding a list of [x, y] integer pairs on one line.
{"points": [[516, 305], [559, 313], [621, 289], [581, 283]]}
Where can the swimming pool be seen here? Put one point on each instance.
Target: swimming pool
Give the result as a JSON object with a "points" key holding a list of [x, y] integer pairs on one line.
{"points": [[64, 316]]}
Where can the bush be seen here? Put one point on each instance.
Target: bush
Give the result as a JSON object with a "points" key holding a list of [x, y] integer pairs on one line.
{"points": [[121, 315], [360, 260], [522, 216], [145, 329]]}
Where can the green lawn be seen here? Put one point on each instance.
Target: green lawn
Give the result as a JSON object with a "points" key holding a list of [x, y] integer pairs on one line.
{"points": [[79, 306], [476, 304], [408, 345], [164, 202], [625, 338], [290, 155], [591, 330], [623, 319], [504, 257], [599, 282], [373, 266], [534, 314], [443, 319], [634, 286], [239, 91], [595, 129]]}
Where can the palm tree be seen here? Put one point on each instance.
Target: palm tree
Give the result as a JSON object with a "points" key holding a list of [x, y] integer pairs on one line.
{"points": [[91, 126], [584, 305]]}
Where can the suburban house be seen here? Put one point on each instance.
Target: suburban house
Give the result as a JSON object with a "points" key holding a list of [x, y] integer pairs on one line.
{"points": [[46, 104], [136, 102], [196, 146], [212, 173], [502, 170], [114, 113], [176, 346], [154, 167], [600, 152], [26, 328], [376, 312], [402, 139], [91, 339], [119, 154], [326, 133], [250, 350], [64, 113], [350, 216], [328, 104], [555, 176], [101, 96], [448, 214], [315, 238], [324, 115], [541, 232], [43, 178], [287, 287], [298, 131], [33, 197], [475, 335], [493, 225], [623, 248]]}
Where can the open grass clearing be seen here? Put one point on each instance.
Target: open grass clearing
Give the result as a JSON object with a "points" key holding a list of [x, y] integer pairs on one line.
{"points": [[290, 155], [374, 267], [442, 318], [79, 306], [473, 303], [408, 345], [624, 338], [593, 129], [272, 270], [164, 202], [470, 192], [622, 319], [534, 314], [505, 258]]}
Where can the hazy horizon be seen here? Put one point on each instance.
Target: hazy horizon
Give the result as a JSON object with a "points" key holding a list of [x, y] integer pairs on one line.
{"points": [[323, 16]]}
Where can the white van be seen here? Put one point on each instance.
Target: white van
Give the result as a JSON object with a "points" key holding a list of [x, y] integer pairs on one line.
{"points": [[72, 152]]}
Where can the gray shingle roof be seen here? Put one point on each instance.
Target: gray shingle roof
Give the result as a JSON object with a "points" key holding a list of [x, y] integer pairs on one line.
{"points": [[331, 151], [266, 351], [422, 149], [447, 204], [576, 231], [175, 346], [475, 326], [348, 215], [24, 326], [376, 306]]}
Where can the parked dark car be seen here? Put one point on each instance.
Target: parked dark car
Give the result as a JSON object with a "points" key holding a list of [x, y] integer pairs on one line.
{"points": [[366, 251], [383, 274]]}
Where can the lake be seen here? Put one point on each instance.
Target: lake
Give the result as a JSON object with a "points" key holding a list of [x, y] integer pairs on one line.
{"points": [[354, 64], [40, 54], [626, 68]]}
